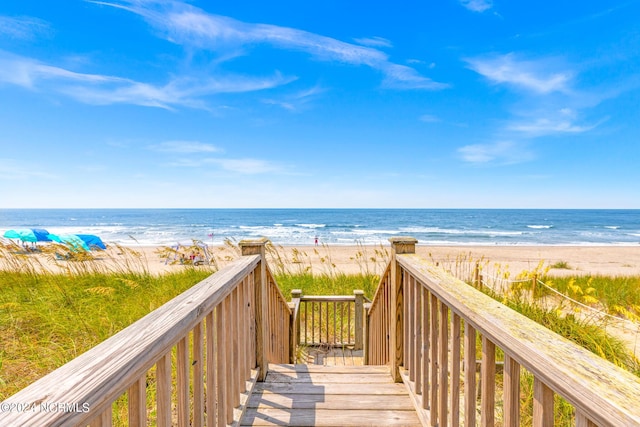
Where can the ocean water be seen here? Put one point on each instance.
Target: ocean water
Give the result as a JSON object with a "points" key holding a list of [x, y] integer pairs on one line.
{"points": [[133, 227]]}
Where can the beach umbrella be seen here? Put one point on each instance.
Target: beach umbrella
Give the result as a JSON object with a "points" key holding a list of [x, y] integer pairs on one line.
{"points": [[71, 240], [92, 241], [41, 234], [28, 234], [24, 234]]}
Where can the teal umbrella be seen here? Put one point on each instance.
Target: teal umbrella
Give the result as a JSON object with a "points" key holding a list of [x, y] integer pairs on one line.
{"points": [[71, 240], [28, 234], [24, 234]]}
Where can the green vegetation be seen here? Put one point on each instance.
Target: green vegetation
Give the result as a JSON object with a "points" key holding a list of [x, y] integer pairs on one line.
{"points": [[548, 309], [47, 319], [339, 284], [619, 296], [561, 265]]}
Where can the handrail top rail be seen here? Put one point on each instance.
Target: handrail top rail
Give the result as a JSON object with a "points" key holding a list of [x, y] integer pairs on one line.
{"points": [[105, 371], [594, 385]]}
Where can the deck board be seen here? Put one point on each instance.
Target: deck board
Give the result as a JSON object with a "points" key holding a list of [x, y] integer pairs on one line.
{"points": [[307, 395]]}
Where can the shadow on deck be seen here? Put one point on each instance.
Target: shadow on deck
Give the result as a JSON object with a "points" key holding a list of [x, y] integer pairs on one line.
{"points": [[320, 395]]}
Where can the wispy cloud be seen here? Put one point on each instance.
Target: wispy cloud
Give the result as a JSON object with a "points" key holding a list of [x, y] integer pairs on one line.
{"points": [[501, 152], [477, 5], [244, 166], [187, 25], [551, 102], [535, 76], [430, 118], [295, 101], [374, 41], [550, 125], [546, 120], [102, 89], [184, 147], [403, 77], [17, 170], [25, 28], [248, 166]]}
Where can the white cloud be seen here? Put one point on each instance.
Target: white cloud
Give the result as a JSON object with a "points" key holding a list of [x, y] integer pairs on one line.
{"points": [[15, 170], [531, 75], [25, 28], [102, 89], [244, 166], [429, 118], [295, 101], [187, 25], [185, 147], [546, 126], [540, 123], [477, 5], [248, 166], [403, 77], [501, 152], [374, 41]]}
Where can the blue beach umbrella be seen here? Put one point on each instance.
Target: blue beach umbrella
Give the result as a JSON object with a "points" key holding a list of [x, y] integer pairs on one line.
{"points": [[41, 234], [92, 241], [71, 240]]}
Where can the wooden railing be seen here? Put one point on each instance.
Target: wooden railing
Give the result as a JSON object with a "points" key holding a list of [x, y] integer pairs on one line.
{"points": [[378, 322], [329, 320], [212, 342], [278, 323], [436, 323]]}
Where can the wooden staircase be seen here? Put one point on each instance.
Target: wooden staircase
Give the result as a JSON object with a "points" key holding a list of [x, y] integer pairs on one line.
{"points": [[317, 395]]}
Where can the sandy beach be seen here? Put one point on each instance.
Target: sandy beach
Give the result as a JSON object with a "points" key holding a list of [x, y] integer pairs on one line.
{"points": [[576, 260]]}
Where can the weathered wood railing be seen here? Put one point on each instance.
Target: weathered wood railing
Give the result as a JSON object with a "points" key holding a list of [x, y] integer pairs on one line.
{"points": [[212, 342], [378, 322], [425, 324], [331, 320], [279, 323], [435, 322]]}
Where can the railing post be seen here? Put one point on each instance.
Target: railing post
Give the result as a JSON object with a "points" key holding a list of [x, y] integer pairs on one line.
{"points": [[367, 331], [258, 247], [359, 313], [294, 328], [476, 275], [399, 245]]}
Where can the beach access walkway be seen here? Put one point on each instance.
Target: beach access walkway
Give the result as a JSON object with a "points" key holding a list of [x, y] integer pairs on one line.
{"points": [[427, 349], [325, 395]]}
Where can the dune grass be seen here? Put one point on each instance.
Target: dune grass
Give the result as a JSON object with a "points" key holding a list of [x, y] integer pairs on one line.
{"points": [[618, 296], [48, 318]]}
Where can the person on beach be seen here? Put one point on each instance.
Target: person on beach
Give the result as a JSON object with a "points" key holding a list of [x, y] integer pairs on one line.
{"points": [[316, 240]]}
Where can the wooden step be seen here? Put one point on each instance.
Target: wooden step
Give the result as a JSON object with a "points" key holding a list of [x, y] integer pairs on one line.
{"points": [[308, 395]]}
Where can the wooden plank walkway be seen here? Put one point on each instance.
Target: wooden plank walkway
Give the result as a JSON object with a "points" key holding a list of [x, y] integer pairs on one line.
{"points": [[317, 395]]}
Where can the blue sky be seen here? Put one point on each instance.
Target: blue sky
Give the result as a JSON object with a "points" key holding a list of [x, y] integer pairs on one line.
{"points": [[469, 103]]}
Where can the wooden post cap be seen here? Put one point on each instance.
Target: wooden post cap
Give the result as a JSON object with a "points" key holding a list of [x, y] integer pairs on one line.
{"points": [[404, 244], [253, 246]]}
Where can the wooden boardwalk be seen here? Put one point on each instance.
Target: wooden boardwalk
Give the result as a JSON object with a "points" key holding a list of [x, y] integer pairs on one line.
{"points": [[317, 395]]}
